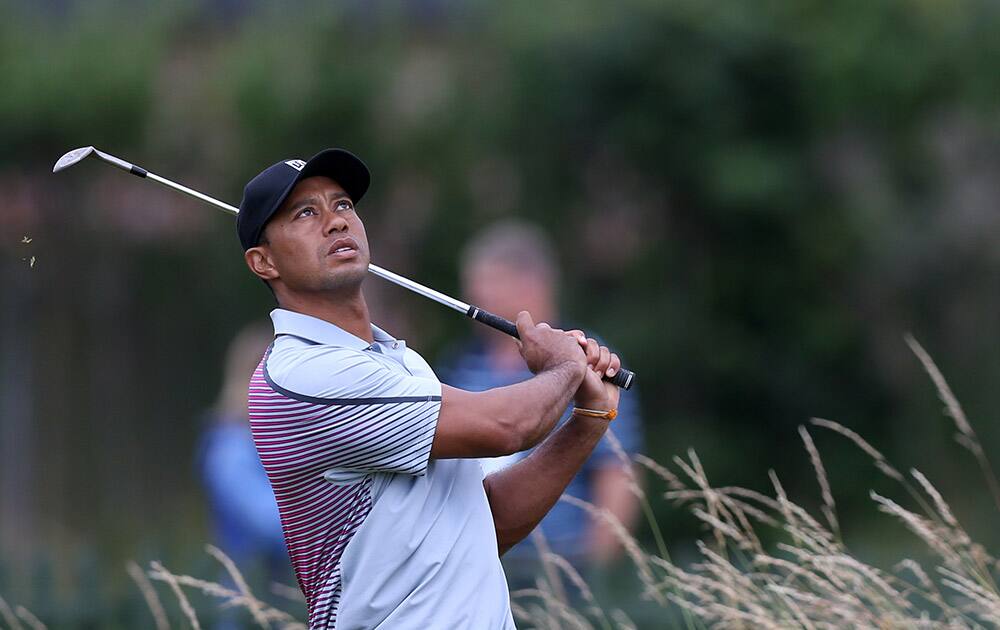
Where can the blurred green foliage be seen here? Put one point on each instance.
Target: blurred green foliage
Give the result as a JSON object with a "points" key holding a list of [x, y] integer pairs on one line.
{"points": [[752, 201]]}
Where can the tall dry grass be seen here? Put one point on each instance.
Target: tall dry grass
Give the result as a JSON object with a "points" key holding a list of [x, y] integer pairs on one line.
{"points": [[810, 579]]}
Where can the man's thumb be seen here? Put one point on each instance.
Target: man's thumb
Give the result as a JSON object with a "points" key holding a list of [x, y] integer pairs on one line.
{"points": [[524, 323]]}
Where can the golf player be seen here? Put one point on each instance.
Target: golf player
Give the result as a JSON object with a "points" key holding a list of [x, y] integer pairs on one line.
{"points": [[387, 515]]}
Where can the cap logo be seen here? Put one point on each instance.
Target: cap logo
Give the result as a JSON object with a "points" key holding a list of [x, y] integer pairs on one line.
{"points": [[296, 164]]}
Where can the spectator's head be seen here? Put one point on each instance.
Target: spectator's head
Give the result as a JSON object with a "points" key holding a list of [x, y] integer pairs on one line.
{"points": [[511, 267], [244, 353]]}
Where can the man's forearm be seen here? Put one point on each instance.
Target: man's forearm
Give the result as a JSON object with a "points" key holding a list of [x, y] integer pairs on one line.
{"points": [[523, 493], [504, 420], [562, 382], [533, 407]]}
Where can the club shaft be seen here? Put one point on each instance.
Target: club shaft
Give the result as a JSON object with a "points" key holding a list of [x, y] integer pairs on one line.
{"points": [[420, 289], [623, 378], [225, 207]]}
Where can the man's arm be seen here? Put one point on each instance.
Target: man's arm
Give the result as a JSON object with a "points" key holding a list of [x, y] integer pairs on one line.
{"points": [[509, 419], [522, 494]]}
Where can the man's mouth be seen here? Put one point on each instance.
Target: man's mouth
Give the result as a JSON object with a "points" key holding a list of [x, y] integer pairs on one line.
{"points": [[343, 248]]}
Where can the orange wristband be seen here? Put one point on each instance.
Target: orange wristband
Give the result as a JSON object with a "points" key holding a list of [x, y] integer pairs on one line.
{"points": [[610, 414]]}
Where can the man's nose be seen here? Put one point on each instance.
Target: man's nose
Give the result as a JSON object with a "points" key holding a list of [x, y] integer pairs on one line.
{"points": [[334, 222]]}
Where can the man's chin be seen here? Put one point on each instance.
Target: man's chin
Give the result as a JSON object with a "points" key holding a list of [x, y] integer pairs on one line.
{"points": [[349, 275]]}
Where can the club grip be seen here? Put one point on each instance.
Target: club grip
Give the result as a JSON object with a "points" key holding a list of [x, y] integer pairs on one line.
{"points": [[623, 378], [502, 324]]}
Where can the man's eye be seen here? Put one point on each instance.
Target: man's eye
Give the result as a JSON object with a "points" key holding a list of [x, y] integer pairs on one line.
{"points": [[344, 205], [306, 212]]}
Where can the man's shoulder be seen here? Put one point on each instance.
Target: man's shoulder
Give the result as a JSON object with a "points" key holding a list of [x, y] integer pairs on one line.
{"points": [[325, 373], [314, 369], [289, 354], [418, 366]]}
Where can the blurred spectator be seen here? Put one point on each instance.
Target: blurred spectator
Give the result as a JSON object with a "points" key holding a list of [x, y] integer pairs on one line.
{"points": [[244, 512], [508, 268]]}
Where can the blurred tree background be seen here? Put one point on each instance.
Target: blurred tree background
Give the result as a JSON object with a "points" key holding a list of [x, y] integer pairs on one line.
{"points": [[753, 202]]}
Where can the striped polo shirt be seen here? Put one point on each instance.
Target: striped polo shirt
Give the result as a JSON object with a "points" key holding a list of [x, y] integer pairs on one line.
{"points": [[379, 535]]}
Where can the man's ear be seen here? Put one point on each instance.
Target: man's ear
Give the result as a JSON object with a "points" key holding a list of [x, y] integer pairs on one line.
{"points": [[260, 263]]}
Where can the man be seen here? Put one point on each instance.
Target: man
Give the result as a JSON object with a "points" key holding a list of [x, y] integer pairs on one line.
{"points": [[507, 267], [388, 519]]}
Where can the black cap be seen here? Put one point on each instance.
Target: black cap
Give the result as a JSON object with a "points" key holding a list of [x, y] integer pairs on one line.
{"points": [[265, 193]]}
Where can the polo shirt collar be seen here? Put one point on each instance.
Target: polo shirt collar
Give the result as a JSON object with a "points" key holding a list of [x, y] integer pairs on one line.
{"points": [[321, 331]]}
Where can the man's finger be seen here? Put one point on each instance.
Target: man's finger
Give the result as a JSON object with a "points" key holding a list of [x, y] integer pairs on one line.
{"points": [[524, 323], [604, 361], [616, 364], [593, 352], [580, 336]]}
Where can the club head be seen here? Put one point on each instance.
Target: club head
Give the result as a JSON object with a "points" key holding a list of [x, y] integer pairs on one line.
{"points": [[71, 158]]}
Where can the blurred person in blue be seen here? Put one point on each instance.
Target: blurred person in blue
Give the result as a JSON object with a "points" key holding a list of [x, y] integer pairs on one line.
{"points": [[509, 267], [243, 509]]}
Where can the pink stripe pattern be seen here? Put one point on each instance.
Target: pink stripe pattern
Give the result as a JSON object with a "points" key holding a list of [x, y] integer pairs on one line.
{"points": [[298, 440]]}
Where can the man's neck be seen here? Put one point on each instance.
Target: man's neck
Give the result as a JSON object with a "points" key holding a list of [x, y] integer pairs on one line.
{"points": [[348, 312]]}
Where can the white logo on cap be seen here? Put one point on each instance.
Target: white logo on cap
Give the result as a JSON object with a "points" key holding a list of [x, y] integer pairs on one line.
{"points": [[296, 164]]}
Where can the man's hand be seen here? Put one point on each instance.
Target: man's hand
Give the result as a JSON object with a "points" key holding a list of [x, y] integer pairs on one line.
{"points": [[544, 347], [594, 391]]}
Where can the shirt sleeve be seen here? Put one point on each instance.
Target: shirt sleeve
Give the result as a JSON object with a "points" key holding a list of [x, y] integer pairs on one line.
{"points": [[356, 414]]}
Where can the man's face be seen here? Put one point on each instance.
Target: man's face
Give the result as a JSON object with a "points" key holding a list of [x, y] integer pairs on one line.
{"points": [[314, 243]]}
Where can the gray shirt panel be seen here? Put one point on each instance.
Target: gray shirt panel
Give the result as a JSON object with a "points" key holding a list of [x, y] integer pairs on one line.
{"points": [[426, 554]]}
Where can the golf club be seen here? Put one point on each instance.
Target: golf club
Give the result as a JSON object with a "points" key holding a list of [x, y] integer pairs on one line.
{"points": [[623, 378]]}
